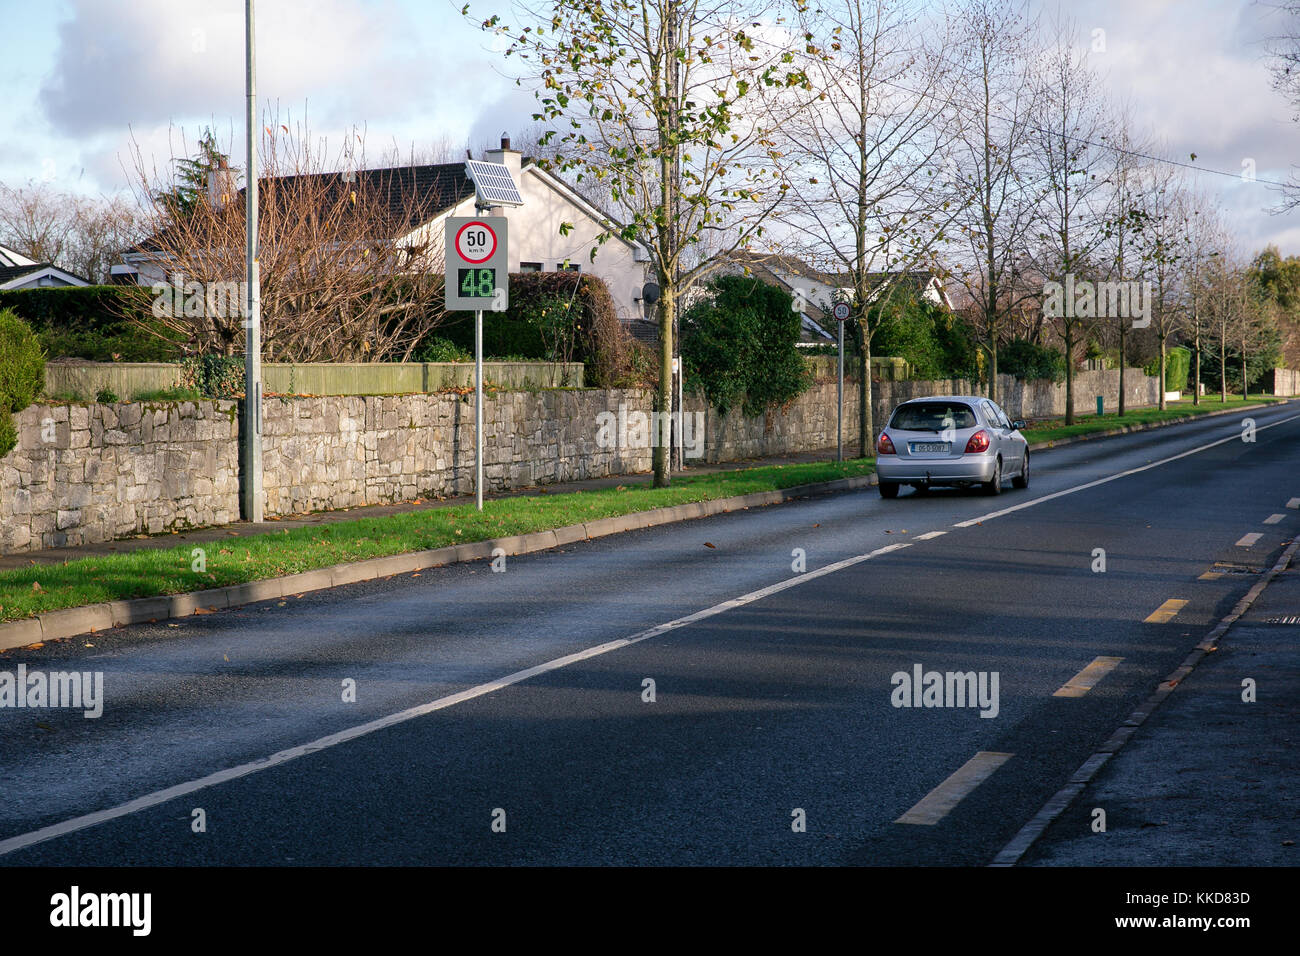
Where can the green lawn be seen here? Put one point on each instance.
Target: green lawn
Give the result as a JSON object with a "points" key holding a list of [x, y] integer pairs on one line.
{"points": [[1056, 429], [240, 558]]}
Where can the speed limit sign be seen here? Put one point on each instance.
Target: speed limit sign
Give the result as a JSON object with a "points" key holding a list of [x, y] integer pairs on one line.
{"points": [[841, 311], [477, 264]]}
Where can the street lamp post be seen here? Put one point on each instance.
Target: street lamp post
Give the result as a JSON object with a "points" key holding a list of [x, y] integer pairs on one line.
{"points": [[252, 489]]}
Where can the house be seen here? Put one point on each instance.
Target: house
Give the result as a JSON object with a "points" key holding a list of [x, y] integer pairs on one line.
{"points": [[535, 242], [820, 290], [19, 272]]}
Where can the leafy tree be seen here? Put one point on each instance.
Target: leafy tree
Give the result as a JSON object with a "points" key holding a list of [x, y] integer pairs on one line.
{"points": [[675, 106]]}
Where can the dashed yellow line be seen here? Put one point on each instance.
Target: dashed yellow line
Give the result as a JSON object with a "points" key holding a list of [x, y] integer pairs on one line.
{"points": [[940, 801], [1087, 679], [1210, 576], [1165, 612], [1248, 540]]}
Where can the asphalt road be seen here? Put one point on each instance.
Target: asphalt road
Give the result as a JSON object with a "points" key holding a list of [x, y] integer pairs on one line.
{"points": [[764, 705]]}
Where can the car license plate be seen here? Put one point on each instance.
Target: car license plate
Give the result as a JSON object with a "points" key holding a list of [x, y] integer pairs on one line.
{"points": [[923, 446]]}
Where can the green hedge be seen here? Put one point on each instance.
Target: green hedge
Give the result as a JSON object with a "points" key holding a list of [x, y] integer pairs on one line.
{"points": [[554, 317], [98, 322], [1025, 360], [740, 346], [1178, 361]]}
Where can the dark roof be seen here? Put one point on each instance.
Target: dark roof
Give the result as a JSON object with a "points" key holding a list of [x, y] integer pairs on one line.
{"points": [[416, 193], [8, 273]]}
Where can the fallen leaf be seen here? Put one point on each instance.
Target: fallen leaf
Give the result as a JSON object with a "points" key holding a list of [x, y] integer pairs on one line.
{"points": [[36, 586], [34, 647], [283, 603], [710, 544], [202, 610], [45, 727], [817, 525]]}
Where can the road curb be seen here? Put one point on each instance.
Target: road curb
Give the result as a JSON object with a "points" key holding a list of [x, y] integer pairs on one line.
{"points": [[87, 619], [1133, 429], [1012, 853]]}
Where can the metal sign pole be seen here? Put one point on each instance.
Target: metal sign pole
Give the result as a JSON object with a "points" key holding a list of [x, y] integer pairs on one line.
{"points": [[478, 409], [839, 402]]}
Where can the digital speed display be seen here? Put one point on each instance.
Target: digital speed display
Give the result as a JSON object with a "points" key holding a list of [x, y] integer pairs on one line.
{"points": [[477, 283]]}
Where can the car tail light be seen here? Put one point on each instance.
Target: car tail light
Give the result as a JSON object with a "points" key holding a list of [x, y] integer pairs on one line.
{"points": [[978, 442], [886, 445]]}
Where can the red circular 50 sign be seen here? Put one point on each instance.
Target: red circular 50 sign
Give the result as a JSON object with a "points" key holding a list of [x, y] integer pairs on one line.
{"points": [[476, 242]]}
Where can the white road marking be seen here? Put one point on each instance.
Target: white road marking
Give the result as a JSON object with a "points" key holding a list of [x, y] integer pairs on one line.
{"points": [[352, 733], [1248, 540], [940, 801], [929, 534], [1293, 503], [1273, 519], [1088, 678], [1115, 477]]}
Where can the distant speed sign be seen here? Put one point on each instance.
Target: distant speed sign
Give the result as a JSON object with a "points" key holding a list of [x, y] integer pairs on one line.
{"points": [[476, 242], [841, 311], [478, 266]]}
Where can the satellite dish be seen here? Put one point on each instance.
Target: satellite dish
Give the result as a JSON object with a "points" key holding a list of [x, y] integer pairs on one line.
{"points": [[650, 293]]}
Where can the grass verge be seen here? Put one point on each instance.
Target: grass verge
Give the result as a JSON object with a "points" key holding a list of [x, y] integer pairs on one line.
{"points": [[1056, 429], [148, 572]]}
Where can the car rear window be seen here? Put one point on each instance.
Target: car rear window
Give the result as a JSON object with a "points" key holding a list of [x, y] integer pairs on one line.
{"points": [[933, 416]]}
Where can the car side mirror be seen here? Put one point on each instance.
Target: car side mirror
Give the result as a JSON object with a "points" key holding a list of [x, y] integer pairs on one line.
{"points": [[1019, 424]]}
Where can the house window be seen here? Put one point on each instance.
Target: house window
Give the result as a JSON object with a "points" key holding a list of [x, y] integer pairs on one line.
{"points": [[530, 267], [567, 267]]}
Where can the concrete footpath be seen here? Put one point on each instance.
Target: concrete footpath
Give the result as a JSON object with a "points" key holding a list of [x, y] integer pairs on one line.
{"points": [[1209, 779]]}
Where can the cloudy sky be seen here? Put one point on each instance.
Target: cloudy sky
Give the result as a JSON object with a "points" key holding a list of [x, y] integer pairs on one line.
{"points": [[84, 78]]}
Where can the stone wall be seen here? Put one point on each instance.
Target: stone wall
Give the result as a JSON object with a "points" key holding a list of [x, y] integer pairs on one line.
{"points": [[344, 451], [87, 473]]}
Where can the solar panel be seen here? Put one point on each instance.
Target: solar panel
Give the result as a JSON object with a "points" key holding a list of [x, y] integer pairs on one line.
{"points": [[493, 183]]}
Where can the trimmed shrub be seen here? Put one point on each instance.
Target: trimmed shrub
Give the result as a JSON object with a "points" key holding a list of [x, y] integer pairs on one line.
{"points": [[443, 350], [103, 323], [1025, 360], [741, 346], [22, 374]]}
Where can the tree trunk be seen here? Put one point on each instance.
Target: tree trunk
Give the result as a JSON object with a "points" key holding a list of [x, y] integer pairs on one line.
{"points": [[866, 418], [1163, 403], [1069, 375], [1123, 352], [1223, 371], [664, 400]]}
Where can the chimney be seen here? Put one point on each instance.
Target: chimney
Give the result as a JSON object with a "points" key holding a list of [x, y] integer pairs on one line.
{"points": [[510, 157], [223, 184]]}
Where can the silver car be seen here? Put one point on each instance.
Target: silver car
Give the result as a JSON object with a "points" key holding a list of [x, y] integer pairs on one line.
{"points": [[957, 440]]}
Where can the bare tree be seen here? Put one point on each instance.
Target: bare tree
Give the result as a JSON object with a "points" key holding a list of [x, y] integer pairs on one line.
{"points": [[80, 234], [1070, 161], [865, 199], [1161, 246], [995, 191], [348, 271]]}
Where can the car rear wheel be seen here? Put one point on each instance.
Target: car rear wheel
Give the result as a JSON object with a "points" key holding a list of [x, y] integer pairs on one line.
{"points": [[994, 486], [889, 489], [1022, 480]]}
